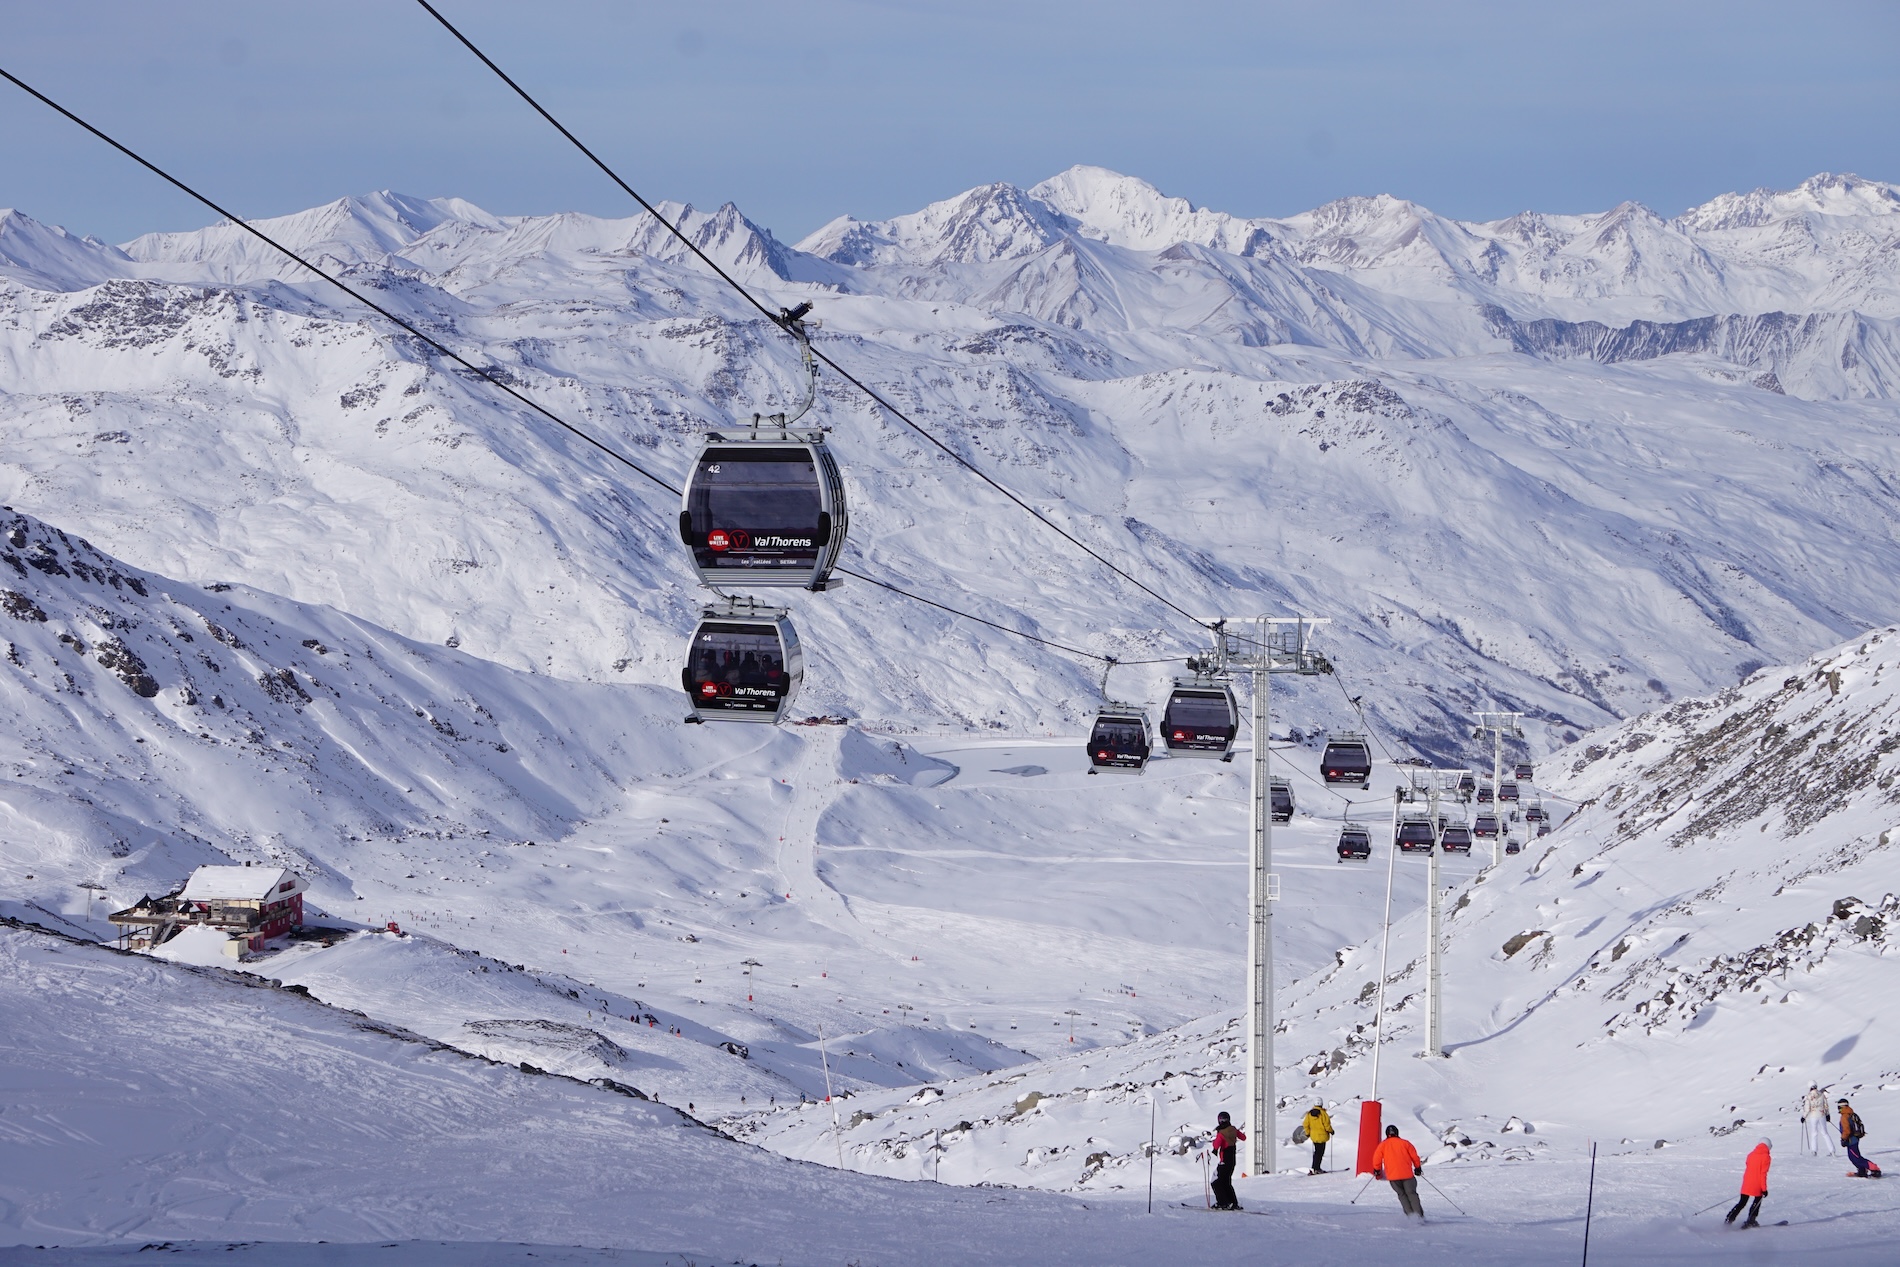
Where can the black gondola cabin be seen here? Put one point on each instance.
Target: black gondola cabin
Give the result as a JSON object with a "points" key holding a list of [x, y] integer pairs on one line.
{"points": [[764, 512], [1120, 740], [1346, 759], [742, 667], [1201, 719]]}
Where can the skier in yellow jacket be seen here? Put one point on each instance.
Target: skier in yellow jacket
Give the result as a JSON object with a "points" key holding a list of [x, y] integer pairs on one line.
{"points": [[1319, 1129]]}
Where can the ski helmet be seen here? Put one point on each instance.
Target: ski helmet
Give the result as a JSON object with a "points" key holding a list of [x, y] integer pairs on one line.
{"points": [[1390, 1131], [1767, 1143], [1223, 1119]]}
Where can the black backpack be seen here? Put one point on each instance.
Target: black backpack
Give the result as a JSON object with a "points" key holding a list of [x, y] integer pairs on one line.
{"points": [[1855, 1129]]}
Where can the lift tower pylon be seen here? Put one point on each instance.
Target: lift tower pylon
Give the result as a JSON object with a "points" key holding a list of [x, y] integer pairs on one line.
{"points": [[1264, 646], [1500, 725]]}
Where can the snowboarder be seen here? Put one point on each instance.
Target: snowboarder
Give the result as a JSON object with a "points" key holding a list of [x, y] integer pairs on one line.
{"points": [[1396, 1162], [1754, 1183], [1853, 1130], [1815, 1120], [1225, 1147], [1319, 1129]]}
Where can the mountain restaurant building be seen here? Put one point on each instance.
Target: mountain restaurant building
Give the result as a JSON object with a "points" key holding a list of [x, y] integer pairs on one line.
{"points": [[254, 903]]}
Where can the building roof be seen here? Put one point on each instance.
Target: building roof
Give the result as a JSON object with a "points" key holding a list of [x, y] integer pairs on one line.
{"points": [[240, 884]]}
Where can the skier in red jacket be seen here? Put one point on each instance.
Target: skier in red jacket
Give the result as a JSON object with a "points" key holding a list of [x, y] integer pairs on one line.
{"points": [[1396, 1162], [1754, 1183], [1225, 1143]]}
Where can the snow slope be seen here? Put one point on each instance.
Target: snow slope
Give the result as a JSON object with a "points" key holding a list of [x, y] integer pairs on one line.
{"points": [[267, 1121], [1666, 974]]}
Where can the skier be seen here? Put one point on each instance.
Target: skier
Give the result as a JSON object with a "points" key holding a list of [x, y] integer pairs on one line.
{"points": [[1815, 1120], [1225, 1146], [1754, 1183], [1319, 1129], [1853, 1130], [1396, 1162]]}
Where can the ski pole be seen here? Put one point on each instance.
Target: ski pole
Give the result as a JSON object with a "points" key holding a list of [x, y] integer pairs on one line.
{"points": [[1441, 1192], [1362, 1191], [1705, 1209], [1590, 1202]]}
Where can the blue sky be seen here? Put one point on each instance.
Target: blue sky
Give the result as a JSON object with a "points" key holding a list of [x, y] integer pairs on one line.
{"points": [[802, 111]]}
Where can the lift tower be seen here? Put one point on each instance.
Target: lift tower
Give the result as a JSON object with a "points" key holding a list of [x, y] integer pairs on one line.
{"points": [[1500, 725], [1264, 646]]}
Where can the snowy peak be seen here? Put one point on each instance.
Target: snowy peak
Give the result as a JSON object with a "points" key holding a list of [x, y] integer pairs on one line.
{"points": [[47, 257], [980, 226], [353, 230], [1127, 211], [1845, 196]]}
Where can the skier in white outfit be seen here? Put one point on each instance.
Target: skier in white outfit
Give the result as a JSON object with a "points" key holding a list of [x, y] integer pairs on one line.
{"points": [[1815, 1122]]}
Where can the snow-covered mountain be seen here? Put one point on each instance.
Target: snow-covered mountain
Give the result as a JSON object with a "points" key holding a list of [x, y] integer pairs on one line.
{"points": [[1347, 411]]}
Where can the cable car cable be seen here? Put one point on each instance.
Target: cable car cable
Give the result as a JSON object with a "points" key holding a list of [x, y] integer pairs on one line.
{"points": [[750, 298], [477, 370], [341, 285], [931, 602]]}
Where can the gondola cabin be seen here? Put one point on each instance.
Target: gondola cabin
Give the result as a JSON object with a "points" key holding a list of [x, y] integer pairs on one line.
{"points": [[1485, 827], [1467, 784], [1456, 838], [1346, 759], [1484, 793], [1280, 799], [1201, 719], [1512, 846], [764, 512], [1120, 740], [1355, 844], [1415, 835], [1507, 791], [1525, 772], [1536, 813], [743, 667]]}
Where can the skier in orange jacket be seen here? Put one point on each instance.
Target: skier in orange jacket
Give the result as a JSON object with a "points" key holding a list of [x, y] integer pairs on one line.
{"points": [[1754, 1183], [1396, 1162]]}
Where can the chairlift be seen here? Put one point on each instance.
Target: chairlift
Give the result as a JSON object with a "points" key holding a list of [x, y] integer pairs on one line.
{"points": [[1202, 718], [1415, 835], [767, 508], [1485, 826], [1120, 739], [743, 664], [1355, 843], [1280, 799], [1346, 759]]}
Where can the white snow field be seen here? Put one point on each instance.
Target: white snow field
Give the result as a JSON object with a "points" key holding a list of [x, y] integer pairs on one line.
{"points": [[278, 589]]}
